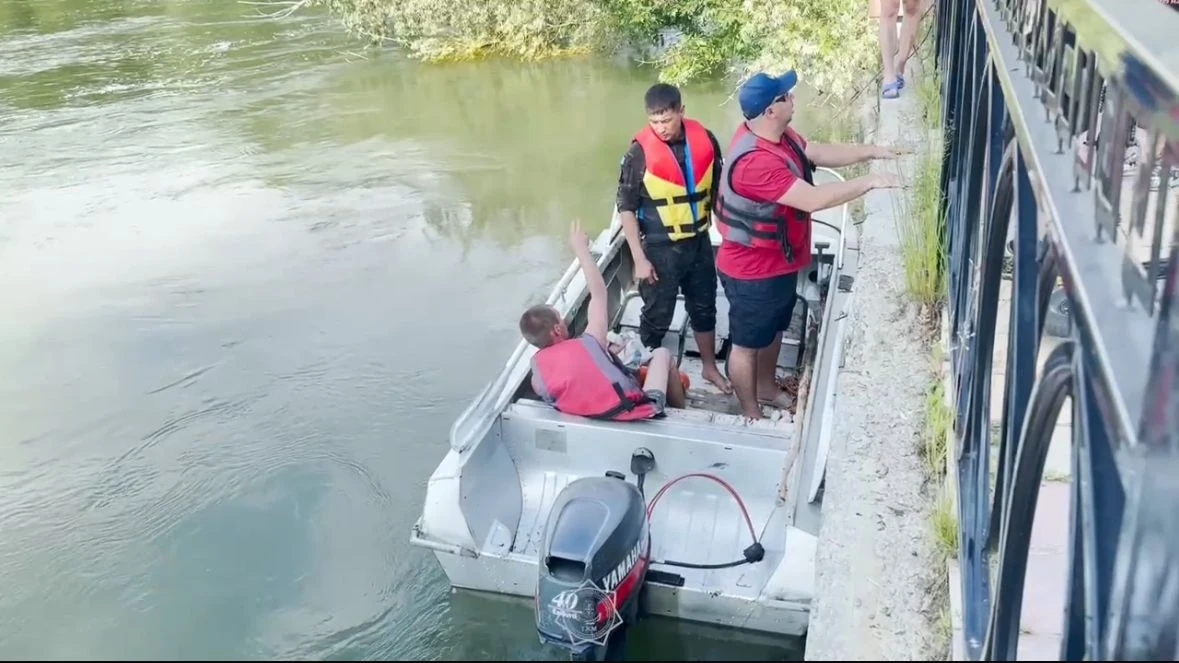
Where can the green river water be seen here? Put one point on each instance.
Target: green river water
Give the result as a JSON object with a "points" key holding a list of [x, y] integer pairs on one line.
{"points": [[249, 275]]}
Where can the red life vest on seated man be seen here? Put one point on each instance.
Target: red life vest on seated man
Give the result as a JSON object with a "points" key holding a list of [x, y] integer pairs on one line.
{"points": [[579, 376], [764, 224]]}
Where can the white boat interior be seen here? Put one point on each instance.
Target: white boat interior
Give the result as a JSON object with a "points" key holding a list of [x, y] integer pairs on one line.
{"points": [[511, 453]]}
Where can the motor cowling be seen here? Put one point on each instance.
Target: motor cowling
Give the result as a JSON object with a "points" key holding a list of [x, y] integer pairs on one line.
{"points": [[592, 565]]}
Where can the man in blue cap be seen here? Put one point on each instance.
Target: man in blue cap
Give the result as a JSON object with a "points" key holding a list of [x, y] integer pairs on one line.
{"points": [[765, 197]]}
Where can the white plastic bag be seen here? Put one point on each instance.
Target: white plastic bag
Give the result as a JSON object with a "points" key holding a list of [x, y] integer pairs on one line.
{"points": [[629, 349]]}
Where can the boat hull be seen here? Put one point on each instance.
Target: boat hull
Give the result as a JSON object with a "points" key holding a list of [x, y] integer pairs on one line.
{"points": [[788, 614]]}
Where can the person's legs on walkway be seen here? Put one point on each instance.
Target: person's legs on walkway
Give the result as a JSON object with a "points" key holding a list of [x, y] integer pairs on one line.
{"points": [[888, 47], [908, 39]]}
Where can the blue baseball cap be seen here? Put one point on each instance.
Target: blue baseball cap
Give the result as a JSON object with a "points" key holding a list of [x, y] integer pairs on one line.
{"points": [[757, 93]]}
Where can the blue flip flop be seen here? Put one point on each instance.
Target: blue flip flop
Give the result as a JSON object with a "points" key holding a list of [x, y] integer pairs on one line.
{"points": [[891, 90], [900, 82]]}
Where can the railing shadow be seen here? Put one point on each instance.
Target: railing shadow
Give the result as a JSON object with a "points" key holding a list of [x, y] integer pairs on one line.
{"points": [[1063, 127]]}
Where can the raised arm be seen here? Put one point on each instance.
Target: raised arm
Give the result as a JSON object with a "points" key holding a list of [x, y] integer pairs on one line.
{"points": [[597, 324]]}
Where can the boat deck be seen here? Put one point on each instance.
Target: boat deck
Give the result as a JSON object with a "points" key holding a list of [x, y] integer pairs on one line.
{"points": [[697, 521], [681, 342]]}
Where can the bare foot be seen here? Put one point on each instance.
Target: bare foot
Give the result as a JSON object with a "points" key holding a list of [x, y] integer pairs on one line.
{"points": [[713, 375], [774, 397], [754, 414]]}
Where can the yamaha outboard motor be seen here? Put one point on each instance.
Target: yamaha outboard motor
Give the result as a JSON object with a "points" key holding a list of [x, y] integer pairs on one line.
{"points": [[593, 562]]}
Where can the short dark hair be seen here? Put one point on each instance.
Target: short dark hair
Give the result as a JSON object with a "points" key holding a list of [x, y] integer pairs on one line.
{"points": [[662, 97], [537, 325]]}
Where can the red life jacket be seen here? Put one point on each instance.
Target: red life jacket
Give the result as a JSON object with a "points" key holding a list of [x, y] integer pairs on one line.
{"points": [[764, 224], [579, 376]]}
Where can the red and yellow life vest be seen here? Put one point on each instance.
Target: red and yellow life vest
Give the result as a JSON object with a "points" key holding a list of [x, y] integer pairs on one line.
{"points": [[676, 205]]}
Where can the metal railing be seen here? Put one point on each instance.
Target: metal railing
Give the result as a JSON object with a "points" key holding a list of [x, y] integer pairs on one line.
{"points": [[1045, 102]]}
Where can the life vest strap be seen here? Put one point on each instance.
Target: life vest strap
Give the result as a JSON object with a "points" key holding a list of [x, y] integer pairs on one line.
{"points": [[625, 404], [663, 234], [748, 224], [693, 197]]}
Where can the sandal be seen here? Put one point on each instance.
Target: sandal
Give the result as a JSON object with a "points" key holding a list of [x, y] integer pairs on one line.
{"points": [[891, 90]]}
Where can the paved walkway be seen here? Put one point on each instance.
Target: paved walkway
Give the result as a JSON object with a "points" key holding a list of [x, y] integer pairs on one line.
{"points": [[872, 570]]}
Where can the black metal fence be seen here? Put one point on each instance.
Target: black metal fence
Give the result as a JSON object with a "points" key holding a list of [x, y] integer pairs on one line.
{"points": [[1062, 121]]}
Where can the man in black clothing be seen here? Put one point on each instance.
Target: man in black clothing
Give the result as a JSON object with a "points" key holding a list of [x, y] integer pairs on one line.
{"points": [[665, 193]]}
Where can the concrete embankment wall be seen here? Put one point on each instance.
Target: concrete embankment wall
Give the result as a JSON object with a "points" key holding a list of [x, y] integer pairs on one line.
{"points": [[876, 558]]}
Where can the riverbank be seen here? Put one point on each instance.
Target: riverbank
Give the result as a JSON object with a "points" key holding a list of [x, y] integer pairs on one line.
{"points": [[688, 41], [877, 595]]}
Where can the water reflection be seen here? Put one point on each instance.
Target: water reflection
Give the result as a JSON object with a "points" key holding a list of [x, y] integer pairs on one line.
{"points": [[654, 639]]}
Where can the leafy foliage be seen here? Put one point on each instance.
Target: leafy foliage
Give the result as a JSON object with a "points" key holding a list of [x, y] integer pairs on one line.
{"points": [[831, 43], [447, 30]]}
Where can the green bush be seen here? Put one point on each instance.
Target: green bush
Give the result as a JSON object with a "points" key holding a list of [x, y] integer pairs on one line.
{"points": [[831, 43], [448, 30]]}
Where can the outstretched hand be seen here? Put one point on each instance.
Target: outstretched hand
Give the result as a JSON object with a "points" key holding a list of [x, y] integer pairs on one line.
{"points": [[597, 323], [888, 181], [577, 237], [892, 151]]}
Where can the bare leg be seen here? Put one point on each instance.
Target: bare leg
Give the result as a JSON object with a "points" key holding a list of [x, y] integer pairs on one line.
{"points": [[662, 375], [768, 390], [909, 23], [706, 341], [676, 396], [888, 38], [742, 366], [767, 368]]}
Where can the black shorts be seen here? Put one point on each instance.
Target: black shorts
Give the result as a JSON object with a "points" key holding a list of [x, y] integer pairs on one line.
{"points": [[759, 308]]}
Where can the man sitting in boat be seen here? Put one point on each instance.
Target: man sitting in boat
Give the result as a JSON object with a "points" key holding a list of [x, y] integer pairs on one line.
{"points": [[765, 198], [580, 375]]}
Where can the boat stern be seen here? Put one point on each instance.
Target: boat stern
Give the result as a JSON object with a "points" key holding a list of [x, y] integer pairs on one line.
{"points": [[442, 527]]}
